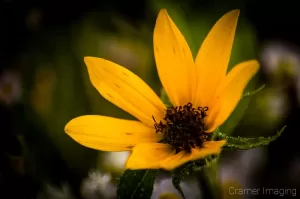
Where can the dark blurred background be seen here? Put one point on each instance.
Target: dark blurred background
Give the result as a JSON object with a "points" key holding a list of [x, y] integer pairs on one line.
{"points": [[44, 84]]}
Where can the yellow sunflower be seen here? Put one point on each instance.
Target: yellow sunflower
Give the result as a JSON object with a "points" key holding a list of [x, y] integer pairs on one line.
{"points": [[202, 94]]}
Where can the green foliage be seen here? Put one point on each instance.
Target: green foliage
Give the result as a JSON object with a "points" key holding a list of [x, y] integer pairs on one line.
{"points": [[180, 173], [249, 94], [136, 184], [247, 143]]}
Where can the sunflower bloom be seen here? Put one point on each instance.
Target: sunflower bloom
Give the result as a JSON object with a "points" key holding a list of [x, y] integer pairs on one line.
{"points": [[202, 93]]}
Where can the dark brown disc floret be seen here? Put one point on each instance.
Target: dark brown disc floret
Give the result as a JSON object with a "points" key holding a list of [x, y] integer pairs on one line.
{"points": [[183, 127]]}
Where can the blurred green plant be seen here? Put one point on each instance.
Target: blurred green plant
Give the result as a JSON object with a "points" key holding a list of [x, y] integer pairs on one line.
{"points": [[55, 73]]}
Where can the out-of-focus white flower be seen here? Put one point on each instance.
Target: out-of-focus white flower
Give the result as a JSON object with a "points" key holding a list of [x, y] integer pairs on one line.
{"points": [[132, 53], [277, 57], [238, 169], [52, 192], [115, 161], [98, 185], [163, 189], [121, 54], [281, 63], [10, 87], [272, 106], [278, 104]]}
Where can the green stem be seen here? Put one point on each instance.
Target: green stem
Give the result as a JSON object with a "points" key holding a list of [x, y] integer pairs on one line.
{"points": [[208, 181]]}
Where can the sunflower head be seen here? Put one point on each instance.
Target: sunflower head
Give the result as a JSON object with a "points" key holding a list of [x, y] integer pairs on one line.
{"points": [[202, 93]]}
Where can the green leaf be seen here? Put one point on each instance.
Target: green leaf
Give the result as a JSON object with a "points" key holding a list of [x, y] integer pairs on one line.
{"points": [[249, 94], [136, 184], [180, 173], [164, 97], [247, 143]]}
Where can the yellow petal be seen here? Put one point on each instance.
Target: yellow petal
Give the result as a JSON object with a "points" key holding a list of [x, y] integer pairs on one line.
{"points": [[162, 156], [149, 155], [214, 144], [209, 148], [230, 93], [108, 133], [174, 61], [213, 57], [124, 89]]}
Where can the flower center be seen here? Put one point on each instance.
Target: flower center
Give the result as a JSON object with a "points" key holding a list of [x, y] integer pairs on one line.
{"points": [[183, 127]]}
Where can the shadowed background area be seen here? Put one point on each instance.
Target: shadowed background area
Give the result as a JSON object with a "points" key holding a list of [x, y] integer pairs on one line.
{"points": [[44, 83]]}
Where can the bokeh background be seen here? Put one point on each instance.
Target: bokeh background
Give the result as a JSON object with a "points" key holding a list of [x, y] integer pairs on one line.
{"points": [[44, 83]]}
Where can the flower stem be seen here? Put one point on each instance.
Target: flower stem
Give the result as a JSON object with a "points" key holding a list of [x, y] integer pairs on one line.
{"points": [[208, 181]]}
